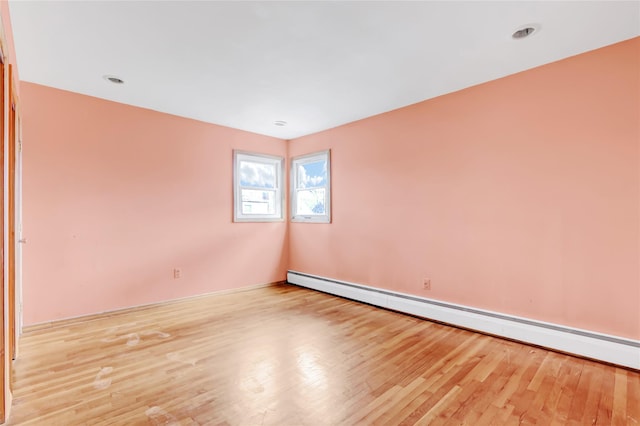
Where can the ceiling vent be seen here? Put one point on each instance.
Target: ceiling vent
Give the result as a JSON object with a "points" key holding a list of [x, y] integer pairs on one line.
{"points": [[525, 32], [113, 79]]}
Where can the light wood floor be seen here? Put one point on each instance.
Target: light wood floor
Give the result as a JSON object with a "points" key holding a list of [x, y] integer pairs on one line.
{"points": [[283, 355]]}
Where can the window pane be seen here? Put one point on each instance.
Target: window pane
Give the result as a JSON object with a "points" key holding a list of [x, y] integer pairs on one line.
{"points": [[258, 202], [259, 175], [311, 202], [312, 175]]}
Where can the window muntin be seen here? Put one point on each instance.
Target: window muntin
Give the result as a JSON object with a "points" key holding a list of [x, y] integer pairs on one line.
{"points": [[257, 187], [310, 188]]}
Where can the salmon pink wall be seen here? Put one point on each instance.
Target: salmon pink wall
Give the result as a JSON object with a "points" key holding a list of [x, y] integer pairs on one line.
{"points": [[520, 195], [116, 197]]}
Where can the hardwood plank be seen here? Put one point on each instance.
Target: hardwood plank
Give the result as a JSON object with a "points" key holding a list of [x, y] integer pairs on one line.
{"points": [[605, 406], [633, 400], [283, 355], [620, 398]]}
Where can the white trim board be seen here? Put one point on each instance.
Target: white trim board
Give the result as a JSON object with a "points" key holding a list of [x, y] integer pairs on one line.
{"points": [[602, 347]]}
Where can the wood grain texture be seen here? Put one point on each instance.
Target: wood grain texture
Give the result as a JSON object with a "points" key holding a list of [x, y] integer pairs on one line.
{"points": [[283, 355], [11, 216], [3, 373]]}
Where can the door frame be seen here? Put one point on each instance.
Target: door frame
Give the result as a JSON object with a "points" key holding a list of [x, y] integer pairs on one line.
{"points": [[3, 358], [11, 220]]}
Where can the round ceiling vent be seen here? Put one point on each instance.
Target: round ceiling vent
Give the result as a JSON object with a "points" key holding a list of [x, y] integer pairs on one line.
{"points": [[113, 79], [525, 31]]}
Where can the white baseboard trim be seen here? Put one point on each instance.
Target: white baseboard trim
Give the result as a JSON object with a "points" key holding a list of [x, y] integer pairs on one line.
{"points": [[602, 347]]}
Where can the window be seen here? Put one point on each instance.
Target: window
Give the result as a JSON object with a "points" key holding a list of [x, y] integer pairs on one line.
{"points": [[257, 184], [311, 188]]}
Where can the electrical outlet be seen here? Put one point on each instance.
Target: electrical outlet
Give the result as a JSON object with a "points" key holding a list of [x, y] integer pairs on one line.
{"points": [[176, 273], [427, 284]]}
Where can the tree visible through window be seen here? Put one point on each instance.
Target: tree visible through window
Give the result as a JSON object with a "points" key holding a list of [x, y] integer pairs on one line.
{"points": [[310, 183]]}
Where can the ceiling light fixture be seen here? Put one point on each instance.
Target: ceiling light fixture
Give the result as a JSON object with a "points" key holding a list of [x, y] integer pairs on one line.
{"points": [[525, 31], [280, 123], [113, 79]]}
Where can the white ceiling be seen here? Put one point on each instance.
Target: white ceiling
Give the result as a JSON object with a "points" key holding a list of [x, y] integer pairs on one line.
{"points": [[315, 65]]}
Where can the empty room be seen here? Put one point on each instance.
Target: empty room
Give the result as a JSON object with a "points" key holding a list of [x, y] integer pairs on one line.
{"points": [[320, 213]]}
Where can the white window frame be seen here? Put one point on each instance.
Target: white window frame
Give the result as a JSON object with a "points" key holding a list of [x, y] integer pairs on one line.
{"points": [[238, 216], [311, 158]]}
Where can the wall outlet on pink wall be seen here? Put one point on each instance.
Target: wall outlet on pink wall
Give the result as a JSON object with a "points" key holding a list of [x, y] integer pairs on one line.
{"points": [[427, 284], [176, 273]]}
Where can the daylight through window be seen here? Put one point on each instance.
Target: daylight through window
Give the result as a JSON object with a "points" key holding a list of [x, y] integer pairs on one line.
{"points": [[311, 188], [257, 187]]}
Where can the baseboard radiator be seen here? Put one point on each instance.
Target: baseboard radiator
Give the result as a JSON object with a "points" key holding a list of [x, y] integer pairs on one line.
{"points": [[602, 347]]}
